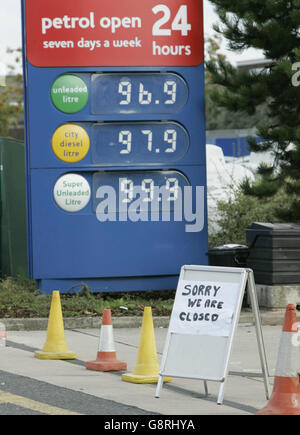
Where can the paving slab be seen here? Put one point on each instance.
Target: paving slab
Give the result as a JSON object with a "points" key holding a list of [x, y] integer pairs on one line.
{"points": [[244, 391]]}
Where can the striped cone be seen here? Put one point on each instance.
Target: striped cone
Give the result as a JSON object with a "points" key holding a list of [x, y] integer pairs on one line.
{"points": [[106, 359], [285, 398]]}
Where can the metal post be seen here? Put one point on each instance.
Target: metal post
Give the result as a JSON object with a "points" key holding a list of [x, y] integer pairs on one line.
{"points": [[221, 393], [260, 341], [158, 388]]}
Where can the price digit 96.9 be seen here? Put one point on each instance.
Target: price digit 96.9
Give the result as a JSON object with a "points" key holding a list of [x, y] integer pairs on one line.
{"points": [[145, 97]]}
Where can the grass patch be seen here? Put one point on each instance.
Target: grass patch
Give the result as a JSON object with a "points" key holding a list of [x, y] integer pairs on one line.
{"points": [[20, 299]]}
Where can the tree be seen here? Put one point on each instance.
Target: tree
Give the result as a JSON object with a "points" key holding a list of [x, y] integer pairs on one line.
{"points": [[239, 211], [272, 26], [212, 112], [11, 98], [217, 117]]}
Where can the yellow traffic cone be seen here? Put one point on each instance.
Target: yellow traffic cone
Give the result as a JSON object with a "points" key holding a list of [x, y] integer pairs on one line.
{"points": [[55, 346], [147, 369]]}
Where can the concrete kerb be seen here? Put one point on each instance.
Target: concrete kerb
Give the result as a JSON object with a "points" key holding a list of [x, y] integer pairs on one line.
{"points": [[268, 317]]}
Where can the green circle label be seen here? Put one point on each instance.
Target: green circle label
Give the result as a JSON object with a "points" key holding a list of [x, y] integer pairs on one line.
{"points": [[69, 93]]}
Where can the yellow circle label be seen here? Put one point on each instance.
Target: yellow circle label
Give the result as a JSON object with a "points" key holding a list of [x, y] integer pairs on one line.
{"points": [[70, 143]]}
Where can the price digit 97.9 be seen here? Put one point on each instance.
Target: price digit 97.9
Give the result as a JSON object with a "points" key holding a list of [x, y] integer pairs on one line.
{"points": [[170, 137]]}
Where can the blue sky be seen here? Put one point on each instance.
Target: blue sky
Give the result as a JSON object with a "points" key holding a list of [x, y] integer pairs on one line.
{"points": [[10, 31]]}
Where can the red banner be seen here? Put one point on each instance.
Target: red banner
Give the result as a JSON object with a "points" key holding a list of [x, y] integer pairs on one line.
{"points": [[114, 33]]}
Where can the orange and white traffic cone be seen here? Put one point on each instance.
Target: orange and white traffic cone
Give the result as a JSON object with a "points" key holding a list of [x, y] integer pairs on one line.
{"points": [[106, 359], [285, 398]]}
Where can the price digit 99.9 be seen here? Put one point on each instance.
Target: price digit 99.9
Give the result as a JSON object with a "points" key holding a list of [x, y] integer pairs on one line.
{"points": [[147, 186]]}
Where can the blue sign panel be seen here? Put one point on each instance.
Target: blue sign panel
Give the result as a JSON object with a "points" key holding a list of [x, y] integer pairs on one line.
{"points": [[115, 143]]}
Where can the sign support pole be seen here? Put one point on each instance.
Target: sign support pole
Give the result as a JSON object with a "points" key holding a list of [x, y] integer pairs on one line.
{"points": [[260, 341]]}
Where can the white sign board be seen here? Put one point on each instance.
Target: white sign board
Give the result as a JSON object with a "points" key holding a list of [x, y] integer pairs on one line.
{"points": [[204, 308], [204, 318]]}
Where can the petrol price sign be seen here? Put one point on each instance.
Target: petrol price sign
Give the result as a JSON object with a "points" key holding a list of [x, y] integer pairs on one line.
{"points": [[115, 142]]}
